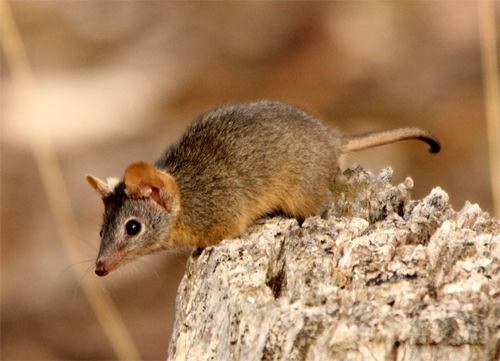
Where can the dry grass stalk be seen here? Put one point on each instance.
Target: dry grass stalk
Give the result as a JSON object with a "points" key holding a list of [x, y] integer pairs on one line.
{"points": [[487, 39], [58, 198]]}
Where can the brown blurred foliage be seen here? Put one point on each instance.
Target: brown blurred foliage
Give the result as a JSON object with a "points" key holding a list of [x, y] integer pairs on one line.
{"points": [[118, 81]]}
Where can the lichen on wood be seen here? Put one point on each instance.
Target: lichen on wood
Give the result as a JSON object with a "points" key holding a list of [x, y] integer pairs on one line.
{"points": [[378, 276]]}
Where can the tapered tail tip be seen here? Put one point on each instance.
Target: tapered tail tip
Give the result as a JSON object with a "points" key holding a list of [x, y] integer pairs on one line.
{"points": [[434, 145]]}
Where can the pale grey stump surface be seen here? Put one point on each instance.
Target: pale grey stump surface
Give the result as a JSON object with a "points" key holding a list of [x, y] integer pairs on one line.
{"points": [[379, 277]]}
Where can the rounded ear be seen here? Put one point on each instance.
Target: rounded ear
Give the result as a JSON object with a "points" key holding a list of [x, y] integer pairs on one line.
{"points": [[99, 185], [142, 180]]}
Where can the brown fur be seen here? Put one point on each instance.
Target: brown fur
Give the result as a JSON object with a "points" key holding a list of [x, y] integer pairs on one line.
{"points": [[143, 180], [231, 166], [237, 163], [375, 139]]}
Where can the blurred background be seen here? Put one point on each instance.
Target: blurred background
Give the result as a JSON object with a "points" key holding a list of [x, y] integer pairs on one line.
{"points": [[114, 82]]}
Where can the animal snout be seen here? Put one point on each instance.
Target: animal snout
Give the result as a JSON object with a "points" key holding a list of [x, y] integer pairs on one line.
{"points": [[100, 269]]}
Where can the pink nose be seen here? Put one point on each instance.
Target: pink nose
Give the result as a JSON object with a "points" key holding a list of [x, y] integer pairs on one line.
{"points": [[100, 269]]}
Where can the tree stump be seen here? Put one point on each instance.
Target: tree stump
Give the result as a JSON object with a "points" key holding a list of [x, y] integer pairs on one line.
{"points": [[377, 277]]}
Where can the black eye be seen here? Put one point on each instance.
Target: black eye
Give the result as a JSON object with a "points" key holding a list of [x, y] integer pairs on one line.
{"points": [[100, 233], [133, 227]]}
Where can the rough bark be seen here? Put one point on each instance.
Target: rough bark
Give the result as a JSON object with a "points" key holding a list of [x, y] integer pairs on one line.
{"points": [[378, 277]]}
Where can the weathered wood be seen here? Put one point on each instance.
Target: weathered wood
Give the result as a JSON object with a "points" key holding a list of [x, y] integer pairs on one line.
{"points": [[378, 277]]}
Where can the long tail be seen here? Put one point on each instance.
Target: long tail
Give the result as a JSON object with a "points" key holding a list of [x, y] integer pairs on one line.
{"points": [[374, 139]]}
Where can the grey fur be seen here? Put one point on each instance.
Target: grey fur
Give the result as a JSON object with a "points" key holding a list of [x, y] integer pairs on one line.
{"points": [[227, 157], [232, 165], [118, 208]]}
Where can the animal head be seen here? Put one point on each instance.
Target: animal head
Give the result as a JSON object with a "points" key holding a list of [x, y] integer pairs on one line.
{"points": [[138, 213]]}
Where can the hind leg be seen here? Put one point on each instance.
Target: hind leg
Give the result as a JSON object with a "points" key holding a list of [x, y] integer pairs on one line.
{"points": [[307, 204]]}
